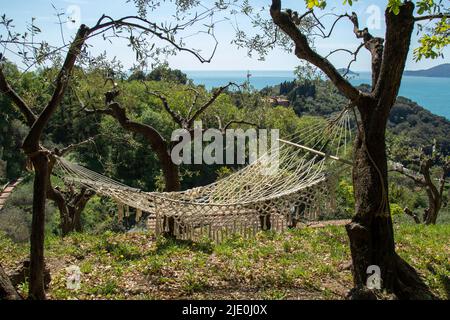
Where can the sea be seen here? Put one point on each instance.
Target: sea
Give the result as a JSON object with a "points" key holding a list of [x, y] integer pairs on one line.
{"points": [[431, 93]]}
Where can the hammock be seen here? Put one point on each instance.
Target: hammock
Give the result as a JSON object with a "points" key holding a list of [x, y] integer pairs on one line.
{"points": [[248, 200]]}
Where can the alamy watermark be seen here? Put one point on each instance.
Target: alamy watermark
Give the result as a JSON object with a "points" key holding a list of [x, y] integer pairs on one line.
{"points": [[73, 13], [73, 280], [374, 278], [234, 146]]}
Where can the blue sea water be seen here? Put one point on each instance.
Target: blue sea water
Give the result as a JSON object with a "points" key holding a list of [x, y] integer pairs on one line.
{"points": [[431, 93]]}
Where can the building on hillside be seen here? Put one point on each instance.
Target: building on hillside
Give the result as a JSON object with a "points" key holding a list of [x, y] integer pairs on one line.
{"points": [[277, 101]]}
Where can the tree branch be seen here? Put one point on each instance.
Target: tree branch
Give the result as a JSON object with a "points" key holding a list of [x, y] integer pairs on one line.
{"points": [[194, 101], [397, 167], [205, 106], [373, 44], [408, 212], [31, 143], [175, 115], [239, 122], [399, 28], [445, 172], [305, 52], [432, 16], [71, 147], [16, 99], [150, 27], [425, 167]]}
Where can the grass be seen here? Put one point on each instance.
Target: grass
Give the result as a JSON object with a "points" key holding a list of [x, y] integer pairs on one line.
{"points": [[298, 264]]}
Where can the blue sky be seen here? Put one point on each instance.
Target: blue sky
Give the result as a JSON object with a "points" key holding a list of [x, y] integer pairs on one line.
{"points": [[227, 57]]}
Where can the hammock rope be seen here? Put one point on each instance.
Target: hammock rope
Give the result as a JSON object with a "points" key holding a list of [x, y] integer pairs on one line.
{"points": [[251, 199]]}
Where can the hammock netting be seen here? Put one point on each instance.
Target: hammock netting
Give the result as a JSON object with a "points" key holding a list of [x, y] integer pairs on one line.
{"points": [[258, 197]]}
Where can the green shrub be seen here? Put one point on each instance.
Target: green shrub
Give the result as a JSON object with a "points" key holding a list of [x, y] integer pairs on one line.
{"points": [[396, 209], [99, 216], [345, 199]]}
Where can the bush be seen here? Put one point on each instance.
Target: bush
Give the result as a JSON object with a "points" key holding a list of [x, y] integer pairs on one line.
{"points": [[15, 223], [345, 200], [99, 216], [396, 209]]}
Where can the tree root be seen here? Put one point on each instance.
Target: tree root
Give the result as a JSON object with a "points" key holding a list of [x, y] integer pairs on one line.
{"points": [[409, 284]]}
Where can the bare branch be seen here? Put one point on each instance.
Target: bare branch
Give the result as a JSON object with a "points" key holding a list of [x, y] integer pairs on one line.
{"points": [[338, 17], [71, 147], [408, 212], [140, 23], [355, 56], [205, 106], [373, 44], [432, 17], [305, 52], [31, 142], [99, 111], [194, 101], [175, 115]]}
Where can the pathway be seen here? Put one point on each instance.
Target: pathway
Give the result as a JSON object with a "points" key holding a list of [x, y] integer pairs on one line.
{"points": [[7, 190]]}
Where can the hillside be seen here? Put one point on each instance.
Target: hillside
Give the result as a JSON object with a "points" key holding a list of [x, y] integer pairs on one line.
{"points": [[440, 71], [406, 118], [308, 263]]}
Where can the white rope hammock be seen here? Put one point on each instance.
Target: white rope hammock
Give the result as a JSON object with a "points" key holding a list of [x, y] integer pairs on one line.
{"points": [[246, 201]]}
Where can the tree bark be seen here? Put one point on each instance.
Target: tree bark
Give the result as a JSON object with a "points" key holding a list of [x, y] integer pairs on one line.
{"points": [[431, 213], [7, 290], [370, 232], [39, 158], [37, 289]]}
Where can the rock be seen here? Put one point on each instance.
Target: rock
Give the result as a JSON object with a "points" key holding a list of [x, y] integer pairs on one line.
{"points": [[345, 266]]}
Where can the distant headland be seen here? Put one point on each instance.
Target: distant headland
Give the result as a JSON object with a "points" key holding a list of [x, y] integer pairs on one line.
{"points": [[440, 71]]}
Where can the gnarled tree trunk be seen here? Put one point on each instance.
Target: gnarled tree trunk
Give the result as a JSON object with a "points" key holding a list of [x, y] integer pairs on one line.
{"points": [[370, 232], [70, 205], [434, 195]]}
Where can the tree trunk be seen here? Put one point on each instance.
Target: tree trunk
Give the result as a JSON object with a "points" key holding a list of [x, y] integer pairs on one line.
{"points": [[76, 222], [433, 210], [36, 289], [57, 197], [371, 232], [70, 204], [172, 183], [171, 173], [7, 290]]}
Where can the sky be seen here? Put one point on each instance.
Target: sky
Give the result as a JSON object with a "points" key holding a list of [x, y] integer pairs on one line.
{"points": [[227, 56]]}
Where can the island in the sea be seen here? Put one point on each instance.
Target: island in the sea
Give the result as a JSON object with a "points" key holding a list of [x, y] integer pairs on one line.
{"points": [[440, 71], [347, 72]]}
